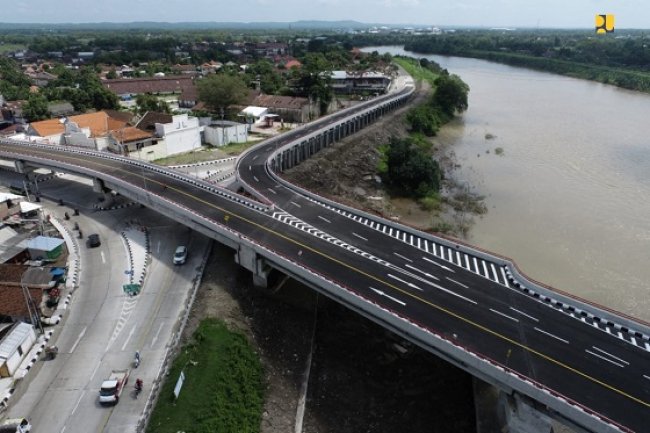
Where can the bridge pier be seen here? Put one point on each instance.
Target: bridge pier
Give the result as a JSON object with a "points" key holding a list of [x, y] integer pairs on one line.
{"points": [[100, 188], [521, 416], [509, 412], [249, 259]]}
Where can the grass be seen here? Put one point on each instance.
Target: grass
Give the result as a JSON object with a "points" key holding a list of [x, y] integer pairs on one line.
{"points": [[223, 387], [412, 66], [6, 48]]}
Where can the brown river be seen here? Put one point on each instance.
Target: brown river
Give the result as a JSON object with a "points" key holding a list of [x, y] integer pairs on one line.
{"points": [[569, 197]]}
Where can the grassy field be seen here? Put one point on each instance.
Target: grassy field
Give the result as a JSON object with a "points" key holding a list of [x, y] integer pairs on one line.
{"points": [[412, 66], [6, 48], [223, 388]]}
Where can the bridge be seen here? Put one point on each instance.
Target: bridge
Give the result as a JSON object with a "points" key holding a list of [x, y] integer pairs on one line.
{"points": [[556, 354]]}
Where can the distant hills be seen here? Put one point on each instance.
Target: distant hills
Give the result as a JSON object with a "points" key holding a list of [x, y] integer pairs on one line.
{"points": [[305, 25]]}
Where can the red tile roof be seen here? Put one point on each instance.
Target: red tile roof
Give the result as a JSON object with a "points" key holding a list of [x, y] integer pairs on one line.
{"points": [[136, 86]]}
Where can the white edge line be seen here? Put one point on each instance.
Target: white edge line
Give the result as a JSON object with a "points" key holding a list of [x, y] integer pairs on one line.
{"points": [[325, 219]]}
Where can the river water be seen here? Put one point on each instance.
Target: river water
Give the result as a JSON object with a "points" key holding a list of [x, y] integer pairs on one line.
{"points": [[569, 198]]}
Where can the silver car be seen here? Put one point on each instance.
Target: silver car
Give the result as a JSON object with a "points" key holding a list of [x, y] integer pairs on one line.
{"points": [[180, 255]]}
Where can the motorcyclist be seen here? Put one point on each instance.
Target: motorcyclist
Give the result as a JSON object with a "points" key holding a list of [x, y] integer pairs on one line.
{"points": [[138, 384], [137, 358]]}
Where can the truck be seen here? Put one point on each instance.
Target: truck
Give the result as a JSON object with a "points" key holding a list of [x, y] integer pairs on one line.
{"points": [[15, 425], [113, 386]]}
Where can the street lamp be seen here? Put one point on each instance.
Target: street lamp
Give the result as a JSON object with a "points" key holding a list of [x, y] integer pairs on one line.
{"points": [[29, 302]]}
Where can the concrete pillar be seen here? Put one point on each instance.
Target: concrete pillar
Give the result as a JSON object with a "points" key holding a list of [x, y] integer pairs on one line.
{"points": [[248, 259], [521, 417]]}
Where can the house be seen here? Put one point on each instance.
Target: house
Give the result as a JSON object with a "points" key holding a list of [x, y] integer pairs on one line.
{"points": [[45, 247], [289, 108], [359, 82], [13, 111], [255, 113], [181, 135], [59, 109], [210, 67], [86, 130], [148, 121], [223, 132], [154, 85], [270, 49], [41, 79], [189, 97], [130, 139], [292, 64], [9, 204], [14, 347]]}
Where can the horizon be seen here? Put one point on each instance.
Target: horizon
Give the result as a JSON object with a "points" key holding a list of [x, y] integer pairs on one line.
{"points": [[551, 14], [259, 25]]}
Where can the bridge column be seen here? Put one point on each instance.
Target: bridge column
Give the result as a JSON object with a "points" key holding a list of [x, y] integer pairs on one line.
{"points": [[522, 417], [100, 188], [247, 258]]}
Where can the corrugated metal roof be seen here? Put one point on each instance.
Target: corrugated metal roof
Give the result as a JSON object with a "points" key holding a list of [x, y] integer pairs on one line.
{"points": [[44, 243], [15, 338]]}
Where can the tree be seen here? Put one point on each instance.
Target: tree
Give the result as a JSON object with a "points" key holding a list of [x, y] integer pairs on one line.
{"points": [[111, 75], [36, 108], [220, 91], [148, 102], [409, 169], [424, 119], [451, 94]]}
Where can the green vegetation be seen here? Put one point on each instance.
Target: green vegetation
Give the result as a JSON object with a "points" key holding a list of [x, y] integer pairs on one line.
{"points": [[449, 97], [408, 169], [221, 91], [499, 151], [148, 102], [223, 388], [36, 107], [623, 61]]}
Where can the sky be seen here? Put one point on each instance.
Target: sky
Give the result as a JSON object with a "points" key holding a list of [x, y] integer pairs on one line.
{"points": [[491, 13]]}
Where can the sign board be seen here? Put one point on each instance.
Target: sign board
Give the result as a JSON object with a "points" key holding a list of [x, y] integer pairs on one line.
{"points": [[179, 384]]}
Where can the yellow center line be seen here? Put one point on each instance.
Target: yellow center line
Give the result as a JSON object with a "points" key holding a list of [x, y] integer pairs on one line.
{"points": [[379, 280]]}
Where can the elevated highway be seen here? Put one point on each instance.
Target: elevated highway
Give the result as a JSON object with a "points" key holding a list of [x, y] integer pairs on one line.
{"points": [[579, 362]]}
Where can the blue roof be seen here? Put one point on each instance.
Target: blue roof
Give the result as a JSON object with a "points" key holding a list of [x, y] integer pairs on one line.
{"points": [[44, 243]]}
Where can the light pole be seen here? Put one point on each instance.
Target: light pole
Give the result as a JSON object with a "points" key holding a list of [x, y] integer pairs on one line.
{"points": [[29, 302]]}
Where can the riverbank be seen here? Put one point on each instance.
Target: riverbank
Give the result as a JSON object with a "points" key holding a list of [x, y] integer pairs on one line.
{"points": [[347, 172]]}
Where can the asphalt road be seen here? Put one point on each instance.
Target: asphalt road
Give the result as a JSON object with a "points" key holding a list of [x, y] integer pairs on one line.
{"points": [[572, 358], [104, 328], [443, 290]]}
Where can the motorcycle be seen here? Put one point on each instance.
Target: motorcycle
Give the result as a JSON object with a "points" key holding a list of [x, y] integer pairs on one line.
{"points": [[136, 361], [138, 387]]}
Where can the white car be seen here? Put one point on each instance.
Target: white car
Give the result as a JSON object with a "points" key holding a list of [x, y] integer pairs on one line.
{"points": [[180, 255]]}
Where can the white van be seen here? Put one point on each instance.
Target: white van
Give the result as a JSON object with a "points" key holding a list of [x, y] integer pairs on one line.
{"points": [[15, 425]]}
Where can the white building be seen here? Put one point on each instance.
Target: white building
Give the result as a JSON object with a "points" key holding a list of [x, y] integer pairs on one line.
{"points": [[14, 347], [225, 132], [257, 113], [181, 135]]}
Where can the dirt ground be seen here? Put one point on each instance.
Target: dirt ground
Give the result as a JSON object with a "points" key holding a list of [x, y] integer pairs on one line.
{"points": [[363, 378]]}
